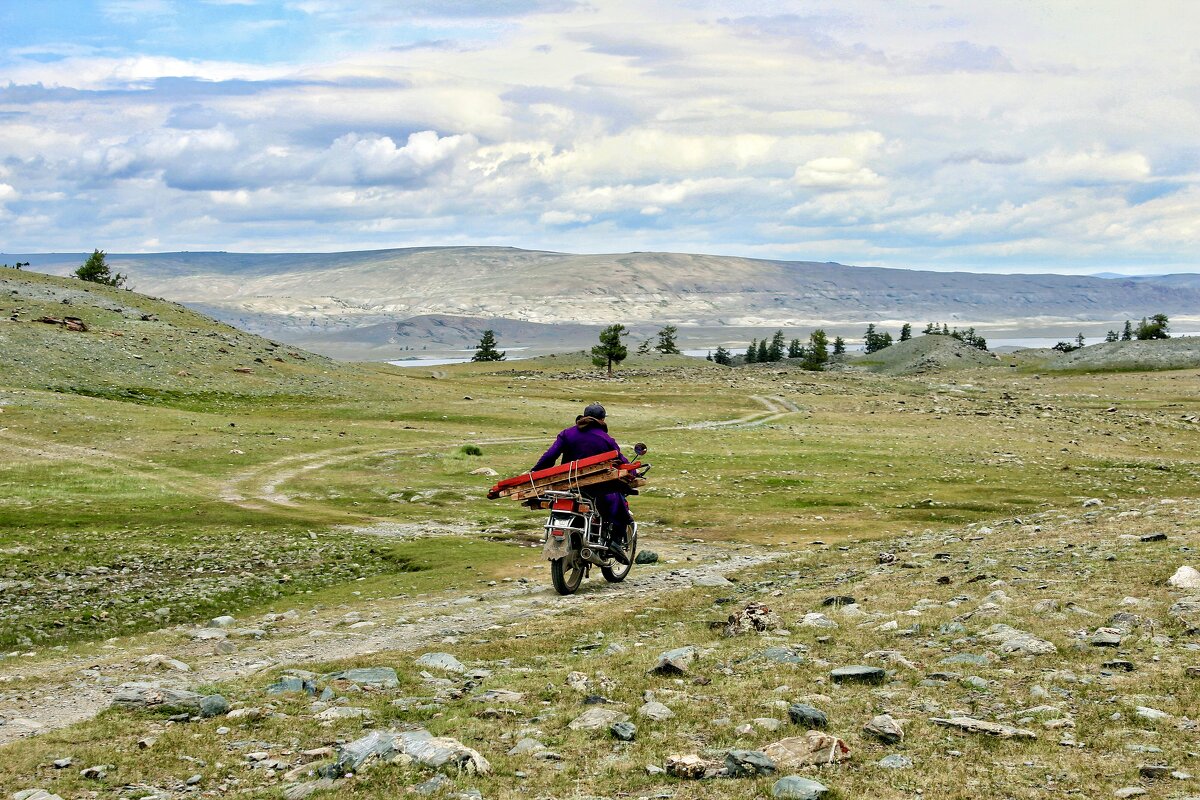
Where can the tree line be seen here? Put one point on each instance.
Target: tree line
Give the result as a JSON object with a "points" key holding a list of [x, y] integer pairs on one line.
{"points": [[814, 353]]}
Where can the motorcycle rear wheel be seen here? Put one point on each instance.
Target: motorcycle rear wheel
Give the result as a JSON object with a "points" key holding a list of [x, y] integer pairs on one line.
{"points": [[567, 573], [618, 572]]}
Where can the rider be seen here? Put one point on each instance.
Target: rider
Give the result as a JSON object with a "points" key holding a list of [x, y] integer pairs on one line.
{"points": [[589, 437]]}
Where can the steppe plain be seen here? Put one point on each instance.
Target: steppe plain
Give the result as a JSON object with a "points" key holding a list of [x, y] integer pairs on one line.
{"points": [[162, 470]]}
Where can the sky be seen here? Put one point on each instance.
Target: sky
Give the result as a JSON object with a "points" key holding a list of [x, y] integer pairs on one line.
{"points": [[986, 135]]}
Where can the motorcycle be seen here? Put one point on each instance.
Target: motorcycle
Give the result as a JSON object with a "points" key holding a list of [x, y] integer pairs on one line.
{"points": [[577, 538]]}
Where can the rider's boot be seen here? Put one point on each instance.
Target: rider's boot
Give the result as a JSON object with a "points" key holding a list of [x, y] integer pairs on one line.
{"points": [[616, 546]]}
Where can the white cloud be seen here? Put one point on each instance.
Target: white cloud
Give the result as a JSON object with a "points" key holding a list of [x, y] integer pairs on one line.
{"points": [[563, 218], [834, 173]]}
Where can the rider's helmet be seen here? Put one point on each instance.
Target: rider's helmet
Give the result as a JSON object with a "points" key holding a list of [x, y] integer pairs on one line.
{"points": [[595, 411]]}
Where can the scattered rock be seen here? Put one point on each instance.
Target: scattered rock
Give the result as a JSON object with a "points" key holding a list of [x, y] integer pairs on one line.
{"points": [[646, 557], [807, 716], [884, 728], [147, 695], [785, 654], [159, 661], [754, 618], [374, 677], [486, 471], [971, 725], [1185, 578], [813, 747], [794, 787], [214, 705], [35, 794], [858, 674], [221, 622], [710, 580], [1012, 640], [748, 763], [895, 761], [597, 718], [1129, 791], [815, 619], [655, 711], [1153, 537], [1106, 637], [442, 661], [688, 767], [674, 662], [623, 731]]}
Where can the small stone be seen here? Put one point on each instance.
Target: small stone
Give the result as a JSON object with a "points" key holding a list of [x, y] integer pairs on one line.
{"points": [[674, 662], [885, 729], [1152, 714], [442, 661], [97, 773], [858, 674], [1119, 664], [795, 787], [63, 763], [1153, 537], [655, 711], [372, 677], [894, 761], [1106, 637], [597, 718], [688, 767], [1129, 791], [748, 763], [221, 622], [194, 780], [213, 706], [1185, 578], [624, 731], [1154, 771], [711, 581], [646, 557], [807, 716]]}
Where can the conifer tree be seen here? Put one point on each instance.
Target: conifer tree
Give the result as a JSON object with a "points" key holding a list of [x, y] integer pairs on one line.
{"points": [[905, 332], [486, 350], [722, 357], [763, 355], [1127, 332], [817, 352], [839, 346], [752, 352], [666, 341], [95, 270], [611, 349], [795, 349]]}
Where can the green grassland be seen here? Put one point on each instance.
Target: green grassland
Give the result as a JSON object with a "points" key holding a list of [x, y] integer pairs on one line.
{"points": [[141, 492]]}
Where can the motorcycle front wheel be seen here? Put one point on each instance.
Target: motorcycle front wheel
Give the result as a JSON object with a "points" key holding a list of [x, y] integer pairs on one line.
{"points": [[617, 572], [567, 573]]}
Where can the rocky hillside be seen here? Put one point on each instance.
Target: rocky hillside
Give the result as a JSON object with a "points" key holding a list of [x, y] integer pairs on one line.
{"points": [[67, 335], [926, 354], [288, 294]]}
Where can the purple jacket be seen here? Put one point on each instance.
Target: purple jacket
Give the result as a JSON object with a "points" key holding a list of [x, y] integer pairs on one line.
{"points": [[587, 437]]}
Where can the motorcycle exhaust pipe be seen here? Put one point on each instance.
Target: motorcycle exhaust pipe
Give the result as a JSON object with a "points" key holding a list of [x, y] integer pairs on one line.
{"points": [[591, 556]]}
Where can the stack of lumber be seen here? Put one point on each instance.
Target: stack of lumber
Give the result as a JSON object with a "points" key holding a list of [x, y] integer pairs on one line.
{"points": [[579, 474]]}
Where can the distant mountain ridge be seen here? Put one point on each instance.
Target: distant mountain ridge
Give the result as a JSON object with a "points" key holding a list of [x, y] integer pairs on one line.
{"points": [[317, 294]]}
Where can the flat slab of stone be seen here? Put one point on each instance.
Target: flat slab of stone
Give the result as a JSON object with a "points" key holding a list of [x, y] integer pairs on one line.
{"points": [[813, 747], [373, 677], [597, 718], [858, 674], [972, 725], [442, 661]]}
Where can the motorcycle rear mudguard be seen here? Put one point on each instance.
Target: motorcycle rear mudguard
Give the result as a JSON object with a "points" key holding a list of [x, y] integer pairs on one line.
{"points": [[555, 547]]}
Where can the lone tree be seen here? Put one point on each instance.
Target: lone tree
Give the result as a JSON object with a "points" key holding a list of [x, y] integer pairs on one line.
{"points": [[1127, 332], [95, 270], [839, 346], [905, 332], [666, 341], [1156, 327], [764, 354], [752, 352], [722, 356], [486, 351], [610, 350], [817, 352], [644, 348]]}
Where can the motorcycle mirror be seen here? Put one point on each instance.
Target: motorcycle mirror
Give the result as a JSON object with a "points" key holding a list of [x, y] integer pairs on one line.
{"points": [[641, 449]]}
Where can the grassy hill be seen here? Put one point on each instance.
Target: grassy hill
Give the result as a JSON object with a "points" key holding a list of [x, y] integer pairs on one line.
{"points": [[926, 354]]}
